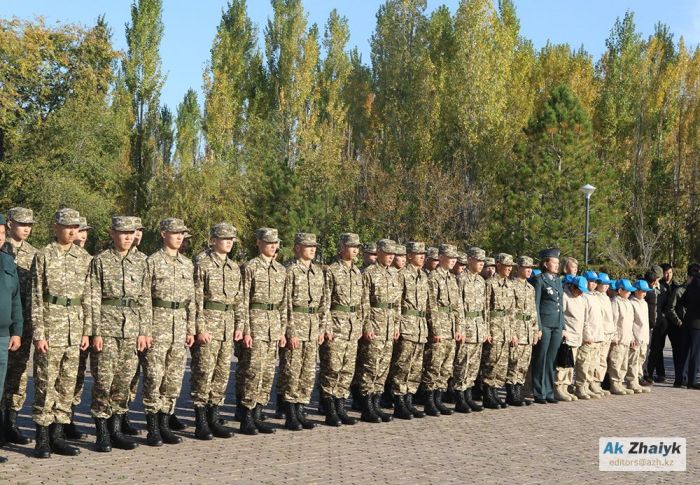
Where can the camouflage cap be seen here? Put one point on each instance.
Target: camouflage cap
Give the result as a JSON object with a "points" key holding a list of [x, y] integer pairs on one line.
{"points": [[84, 225], [462, 258], [489, 262], [123, 224], [415, 247], [431, 253], [305, 239], [386, 246], [525, 262], [172, 224], [400, 250], [370, 248], [187, 235], [67, 217], [138, 223], [223, 230], [21, 215], [448, 250], [504, 259], [267, 234], [349, 239], [476, 253]]}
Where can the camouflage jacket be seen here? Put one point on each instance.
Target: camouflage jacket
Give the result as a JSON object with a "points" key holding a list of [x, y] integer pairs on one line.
{"points": [[113, 277], [344, 289], [305, 293], [64, 278], [381, 301], [24, 255], [473, 290], [263, 285], [218, 289], [525, 318], [445, 310], [500, 303], [171, 280], [414, 304]]}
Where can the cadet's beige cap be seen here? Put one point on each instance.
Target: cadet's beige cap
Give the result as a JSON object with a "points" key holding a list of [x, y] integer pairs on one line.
{"points": [[476, 253], [84, 225], [489, 262], [448, 250], [21, 215], [349, 239], [370, 248], [173, 224], [504, 259], [223, 230], [267, 234], [67, 217], [123, 224], [525, 262], [386, 246], [305, 239], [415, 247]]}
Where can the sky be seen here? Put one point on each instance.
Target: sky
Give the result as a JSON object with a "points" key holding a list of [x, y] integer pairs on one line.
{"points": [[190, 25]]}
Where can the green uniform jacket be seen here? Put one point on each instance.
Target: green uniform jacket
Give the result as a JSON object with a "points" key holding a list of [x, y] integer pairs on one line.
{"points": [[549, 301], [10, 304]]}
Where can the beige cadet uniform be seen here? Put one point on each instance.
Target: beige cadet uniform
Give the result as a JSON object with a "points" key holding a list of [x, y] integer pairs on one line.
{"points": [[526, 330], [640, 332], [588, 354], [609, 331], [574, 317], [623, 316]]}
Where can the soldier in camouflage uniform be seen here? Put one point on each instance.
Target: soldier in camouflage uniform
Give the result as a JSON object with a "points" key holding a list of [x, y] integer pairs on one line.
{"points": [[121, 326], [220, 322], [61, 316], [306, 329], [445, 328], [489, 268], [407, 361], [468, 353], [339, 349], [173, 329], [431, 259], [369, 255], [500, 302], [387, 399], [19, 224], [526, 333], [460, 265], [381, 310], [265, 299]]}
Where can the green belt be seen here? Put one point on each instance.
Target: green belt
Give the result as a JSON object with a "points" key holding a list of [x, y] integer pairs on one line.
{"points": [[412, 313], [63, 300], [523, 317], [473, 313], [445, 309], [344, 308], [215, 305], [172, 305], [264, 306], [385, 306], [498, 313], [123, 302], [304, 309]]}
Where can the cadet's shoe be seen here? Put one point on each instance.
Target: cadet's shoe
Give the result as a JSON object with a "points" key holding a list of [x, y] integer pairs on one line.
{"points": [[588, 390], [175, 424], [12, 432], [646, 389], [595, 388], [461, 406], [469, 397], [342, 413], [201, 427], [264, 428], [560, 394], [247, 422], [292, 421], [369, 414], [571, 391], [511, 398], [71, 430], [400, 409], [385, 417], [216, 426], [498, 399], [165, 432], [332, 418], [429, 407], [153, 437], [42, 447], [357, 398], [119, 440], [280, 407], [634, 387], [438, 403], [408, 399], [127, 428], [617, 389], [581, 393], [102, 442], [58, 441]]}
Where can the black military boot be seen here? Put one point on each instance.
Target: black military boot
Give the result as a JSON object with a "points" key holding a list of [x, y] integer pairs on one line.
{"points": [[511, 399], [498, 399], [247, 422], [165, 432], [332, 418], [258, 413], [521, 396], [386, 417], [438, 403], [215, 423], [175, 424], [357, 398], [280, 408], [264, 428], [477, 393], [58, 441], [71, 430], [473, 405], [408, 399], [386, 401], [400, 409], [430, 408], [489, 400], [118, 439], [461, 405], [369, 414], [342, 413], [42, 446], [102, 442], [450, 396], [201, 427], [153, 437], [127, 428], [12, 432], [301, 416]]}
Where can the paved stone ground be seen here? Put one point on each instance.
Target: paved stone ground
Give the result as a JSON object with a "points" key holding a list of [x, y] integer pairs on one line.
{"points": [[538, 444]]}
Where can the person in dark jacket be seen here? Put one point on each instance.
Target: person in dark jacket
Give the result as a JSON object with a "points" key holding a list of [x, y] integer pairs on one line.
{"points": [[655, 369], [652, 277], [691, 320], [677, 331], [11, 321]]}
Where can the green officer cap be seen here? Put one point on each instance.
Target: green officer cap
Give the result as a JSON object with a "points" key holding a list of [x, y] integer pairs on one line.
{"points": [[123, 224], [415, 247], [173, 224], [223, 230], [67, 217], [305, 239], [267, 234], [21, 215]]}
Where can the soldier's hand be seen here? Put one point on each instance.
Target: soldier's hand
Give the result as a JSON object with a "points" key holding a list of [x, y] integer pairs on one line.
{"points": [[293, 343], [203, 338], [513, 341], [149, 342], [459, 337], [247, 341], [320, 339], [437, 339], [41, 346], [84, 342], [329, 336], [14, 344], [397, 334], [97, 343], [369, 336], [539, 335], [141, 343], [488, 340], [189, 340], [283, 341], [237, 336]]}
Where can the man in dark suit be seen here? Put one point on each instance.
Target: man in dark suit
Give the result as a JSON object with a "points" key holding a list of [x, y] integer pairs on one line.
{"points": [[550, 315]]}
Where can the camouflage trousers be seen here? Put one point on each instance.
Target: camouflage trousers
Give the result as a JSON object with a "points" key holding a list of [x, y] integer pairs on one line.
{"points": [[466, 365], [602, 367], [54, 384], [80, 377], [337, 367], [133, 388], [257, 370], [113, 368], [617, 362], [518, 363], [564, 376], [374, 358], [406, 367], [586, 361], [163, 369], [211, 368], [495, 363], [438, 362], [635, 359], [298, 372], [15, 392]]}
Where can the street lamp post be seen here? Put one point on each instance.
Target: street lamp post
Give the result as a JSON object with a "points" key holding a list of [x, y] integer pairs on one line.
{"points": [[587, 190]]}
